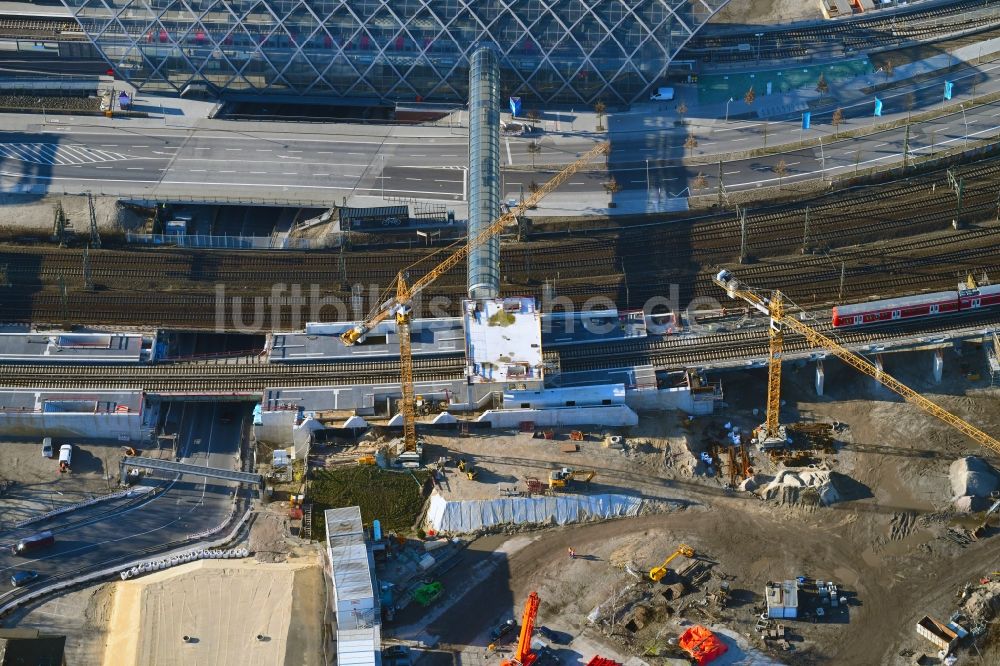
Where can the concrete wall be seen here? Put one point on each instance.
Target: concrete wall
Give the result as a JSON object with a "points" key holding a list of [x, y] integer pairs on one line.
{"points": [[276, 427], [88, 426], [681, 398], [613, 415]]}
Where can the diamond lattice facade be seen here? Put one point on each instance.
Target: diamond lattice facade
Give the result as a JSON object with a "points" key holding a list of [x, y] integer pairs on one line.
{"points": [[563, 51]]}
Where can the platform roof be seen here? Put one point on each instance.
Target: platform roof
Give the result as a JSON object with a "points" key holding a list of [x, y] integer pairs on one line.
{"points": [[57, 346], [503, 339]]}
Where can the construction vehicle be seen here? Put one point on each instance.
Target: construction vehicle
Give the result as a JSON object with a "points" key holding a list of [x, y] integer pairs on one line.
{"points": [[397, 304], [560, 478], [471, 472], [523, 655], [656, 574], [774, 307]]}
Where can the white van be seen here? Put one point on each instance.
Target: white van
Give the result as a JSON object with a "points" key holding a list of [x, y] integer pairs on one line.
{"points": [[47, 447], [662, 95], [65, 457]]}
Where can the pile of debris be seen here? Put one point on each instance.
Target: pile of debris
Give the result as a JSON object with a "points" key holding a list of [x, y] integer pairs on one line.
{"points": [[972, 483], [983, 603], [799, 486]]}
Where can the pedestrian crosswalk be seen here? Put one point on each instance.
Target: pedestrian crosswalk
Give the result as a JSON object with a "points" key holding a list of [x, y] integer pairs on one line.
{"points": [[57, 154]]}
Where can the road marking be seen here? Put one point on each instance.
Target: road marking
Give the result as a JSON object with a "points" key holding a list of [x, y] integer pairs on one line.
{"points": [[284, 173], [449, 181], [418, 155], [355, 153], [449, 156], [578, 183], [202, 148], [295, 151], [134, 168], [793, 163], [325, 152], [227, 172], [264, 150], [253, 172], [198, 170], [234, 149], [109, 145], [637, 181], [413, 179], [103, 167], [321, 174], [885, 143], [142, 146], [729, 173], [746, 138], [510, 160]]}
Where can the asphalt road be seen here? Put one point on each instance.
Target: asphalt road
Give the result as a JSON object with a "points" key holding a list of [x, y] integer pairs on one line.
{"points": [[251, 164], [116, 532]]}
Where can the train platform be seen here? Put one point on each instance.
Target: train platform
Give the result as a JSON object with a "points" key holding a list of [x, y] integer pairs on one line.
{"points": [[61, 347], [321, 341]]}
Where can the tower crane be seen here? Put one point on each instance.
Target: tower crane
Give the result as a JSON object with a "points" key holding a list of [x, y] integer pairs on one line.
{"points": [[774, 307], [523, 656], [396, 300]]}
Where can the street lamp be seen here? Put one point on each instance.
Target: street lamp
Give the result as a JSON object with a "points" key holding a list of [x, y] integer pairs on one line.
{"points": [[966, 121], [758, 35], [727, 109], [647, 179]]}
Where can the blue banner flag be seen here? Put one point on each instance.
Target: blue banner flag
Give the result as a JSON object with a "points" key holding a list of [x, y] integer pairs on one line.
{"points": [[515, 106], [878, 107], [948, 85], [806, 117]]}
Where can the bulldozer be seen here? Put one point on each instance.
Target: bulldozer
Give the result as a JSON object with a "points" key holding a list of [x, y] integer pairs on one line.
{"points": [[656, 574], [561, 478]]}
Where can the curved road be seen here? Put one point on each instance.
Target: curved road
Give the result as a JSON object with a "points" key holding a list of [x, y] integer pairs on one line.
{"points": [[114, 532]]}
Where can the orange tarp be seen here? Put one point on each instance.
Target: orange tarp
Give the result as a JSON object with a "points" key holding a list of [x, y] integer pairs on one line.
{"points": [[702, 644]]}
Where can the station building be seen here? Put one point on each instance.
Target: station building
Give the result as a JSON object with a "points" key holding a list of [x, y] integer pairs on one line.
{"points": [[398, 51]]}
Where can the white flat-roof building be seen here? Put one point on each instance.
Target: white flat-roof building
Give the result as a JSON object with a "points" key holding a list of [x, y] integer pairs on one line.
{"points": [[351, 568], [503, 339]]}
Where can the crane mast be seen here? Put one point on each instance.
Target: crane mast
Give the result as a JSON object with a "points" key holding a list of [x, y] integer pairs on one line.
{"points": [[774, 307], [398, 304], [523, 656]]}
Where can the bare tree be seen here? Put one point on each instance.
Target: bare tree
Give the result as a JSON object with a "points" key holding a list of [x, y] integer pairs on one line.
{"points": [[533, 117], [682, 109], [750, 96], [691, 143], [781, 169], [533, 187], [612, 187], [533, 149], [700, 182], [822, 87], [888, 69], [836, 120], [600, 108]]}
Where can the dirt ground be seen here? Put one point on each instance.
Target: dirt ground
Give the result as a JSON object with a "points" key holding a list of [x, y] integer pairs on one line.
{"points": [[25, 212], [886, 546], [234, 612], [38, 487], [82, 616], [767, 12]]}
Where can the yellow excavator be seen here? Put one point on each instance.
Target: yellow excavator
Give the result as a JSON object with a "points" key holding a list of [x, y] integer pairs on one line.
{"points": [[560, 478], [656, 574]]}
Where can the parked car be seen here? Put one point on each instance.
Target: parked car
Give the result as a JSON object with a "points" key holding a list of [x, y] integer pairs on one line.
{"points": [[502, 629], [553, 636], [47, 447], [21, 578], [662, 95]]}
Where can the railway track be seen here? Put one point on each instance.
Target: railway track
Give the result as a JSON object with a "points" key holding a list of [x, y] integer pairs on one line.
{"points": [[661, 353], [858, 34]]}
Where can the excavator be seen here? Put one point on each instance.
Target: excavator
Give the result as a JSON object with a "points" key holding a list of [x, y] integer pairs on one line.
{"points": [[774, 306], [560, 478], [523, 656], [656, 574], [396, 300]]}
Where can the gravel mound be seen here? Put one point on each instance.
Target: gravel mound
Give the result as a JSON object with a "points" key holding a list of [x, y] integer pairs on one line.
{"points": [[806, 486], [972, 476]]}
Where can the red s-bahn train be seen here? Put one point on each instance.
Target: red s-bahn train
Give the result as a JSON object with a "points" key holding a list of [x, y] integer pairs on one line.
{"points": [[912, 307]]}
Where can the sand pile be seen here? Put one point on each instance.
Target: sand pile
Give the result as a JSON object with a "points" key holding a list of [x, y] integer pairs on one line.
{"points": [[801, 486], [983, 603], [233, 613], [972, 481]]}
